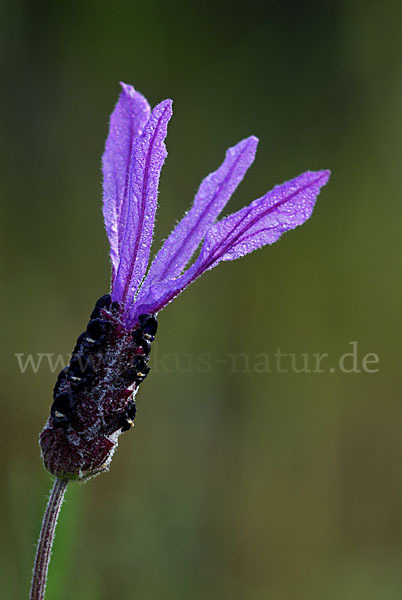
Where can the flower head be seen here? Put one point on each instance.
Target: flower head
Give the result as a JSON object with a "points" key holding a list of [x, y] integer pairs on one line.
{"points": [[94, 395], [132, 162]]}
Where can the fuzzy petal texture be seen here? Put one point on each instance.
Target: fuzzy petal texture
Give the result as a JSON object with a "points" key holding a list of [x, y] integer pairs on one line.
{"points": [[138, 213], [127, 121], [212, 196], [262, 222]]}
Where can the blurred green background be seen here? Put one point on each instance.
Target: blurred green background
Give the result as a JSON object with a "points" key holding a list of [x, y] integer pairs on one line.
{"points": [[234, 484]]}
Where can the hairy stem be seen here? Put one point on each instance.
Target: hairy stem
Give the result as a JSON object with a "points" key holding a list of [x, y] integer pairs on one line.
{"points": [[46, 538]]}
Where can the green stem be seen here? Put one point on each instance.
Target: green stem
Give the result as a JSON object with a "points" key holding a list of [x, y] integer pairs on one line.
{"points": [[46, 538]]}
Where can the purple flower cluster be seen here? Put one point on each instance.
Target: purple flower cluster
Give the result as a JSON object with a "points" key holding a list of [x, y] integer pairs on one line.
{"points": [[94, 397]]}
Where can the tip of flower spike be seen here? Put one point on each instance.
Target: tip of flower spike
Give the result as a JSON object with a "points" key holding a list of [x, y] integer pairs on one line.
{"points": [[249, 144], [253, 140], [324, 176], [127, 89], [166, 105], [163, 111]]}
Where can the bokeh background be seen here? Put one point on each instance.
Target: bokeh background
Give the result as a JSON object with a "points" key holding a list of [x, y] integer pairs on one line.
{"points": [[235, 483]]}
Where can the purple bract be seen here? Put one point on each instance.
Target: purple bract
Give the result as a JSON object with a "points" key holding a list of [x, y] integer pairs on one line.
{"points": [[132, 163], [94, 397]]}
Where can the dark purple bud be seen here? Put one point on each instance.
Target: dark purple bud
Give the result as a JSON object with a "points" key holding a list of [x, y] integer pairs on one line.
{"points": [[81, 366], [62, 408], [98, 327], [140, 341], [128, 377], [128, 416], [61, 379], [140, 363], [103, 302], [80, 341], [93, 345], [135, 374], [148, 324], [131, 409], [115, 307]]}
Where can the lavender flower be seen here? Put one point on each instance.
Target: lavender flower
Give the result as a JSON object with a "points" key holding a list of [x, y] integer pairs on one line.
{"points": [[94, 397]]}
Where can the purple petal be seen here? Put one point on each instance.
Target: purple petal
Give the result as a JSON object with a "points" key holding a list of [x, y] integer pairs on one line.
{"points": [[138, 212], [262, 222], [211, 198], [126, 123]]}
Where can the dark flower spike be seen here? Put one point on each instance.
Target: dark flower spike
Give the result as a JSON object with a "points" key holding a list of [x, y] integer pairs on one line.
{"points": [[94, 397]]}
